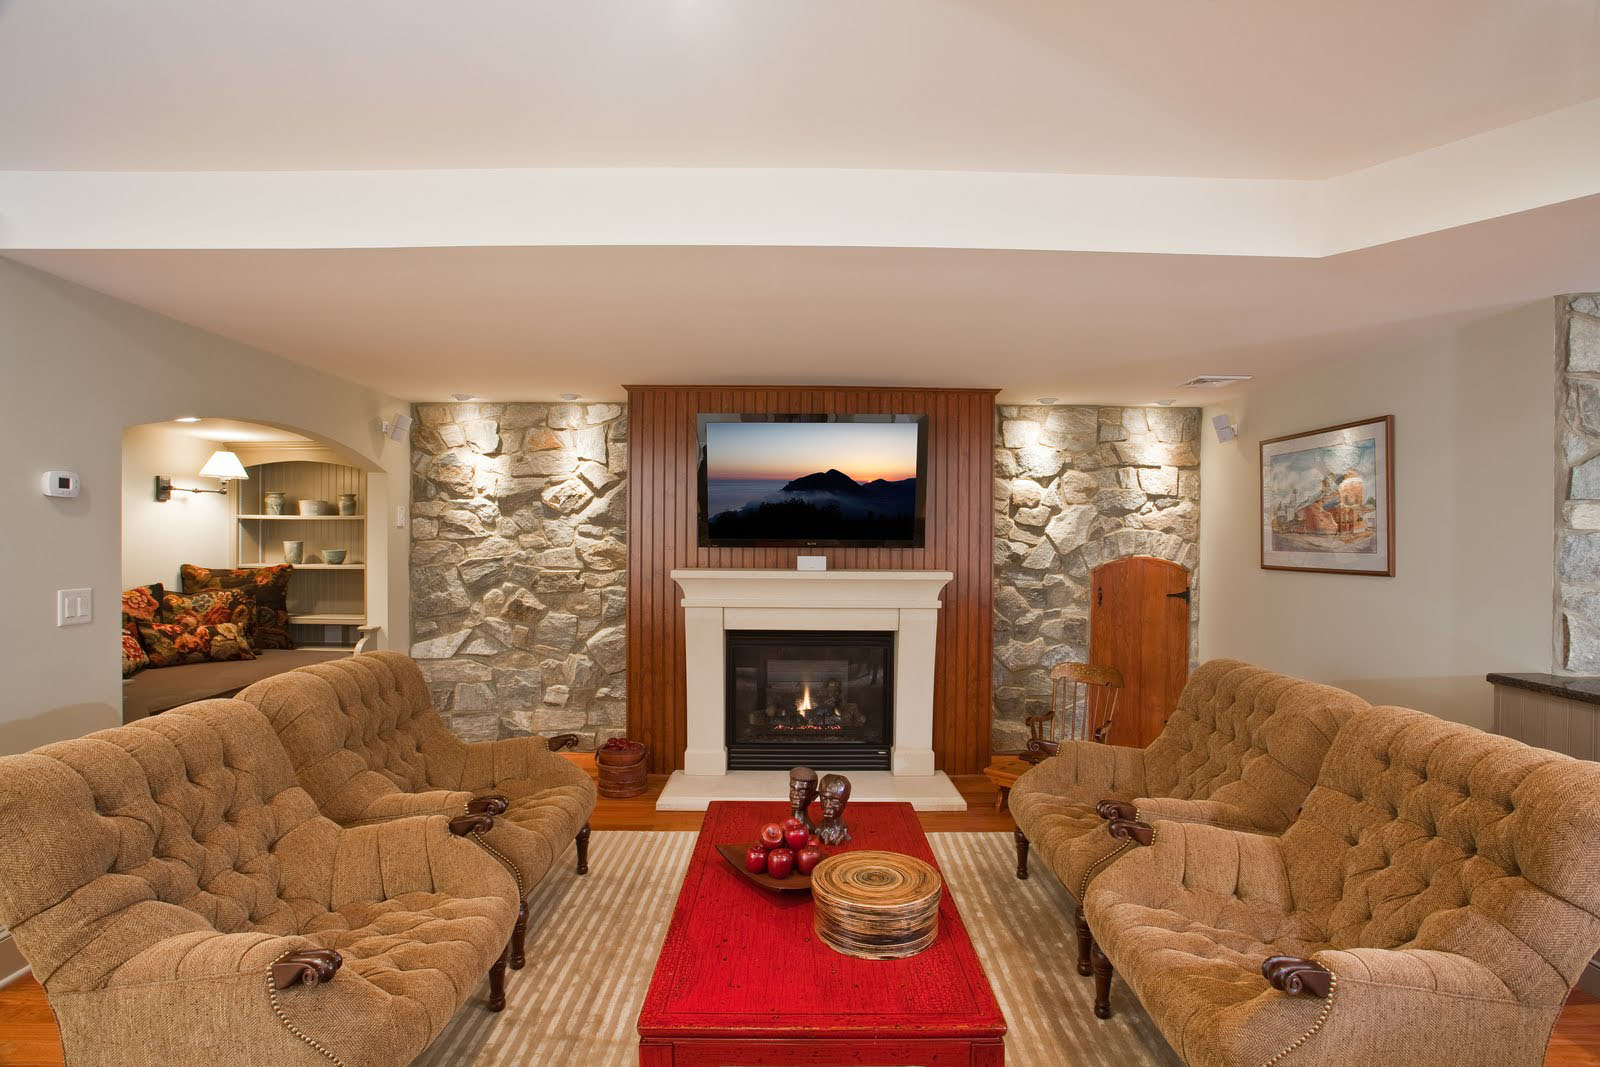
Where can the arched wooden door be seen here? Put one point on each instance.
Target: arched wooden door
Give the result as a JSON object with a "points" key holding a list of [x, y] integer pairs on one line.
{"points": [[1139, 624]]}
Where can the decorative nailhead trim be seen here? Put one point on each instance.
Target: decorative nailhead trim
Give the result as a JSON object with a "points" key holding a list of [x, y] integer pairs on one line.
{"points": [[277, 1009], [477, 835], [1322, 1017]]}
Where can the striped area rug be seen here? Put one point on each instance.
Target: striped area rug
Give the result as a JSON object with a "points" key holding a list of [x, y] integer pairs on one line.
{"points": [[592, 946]]}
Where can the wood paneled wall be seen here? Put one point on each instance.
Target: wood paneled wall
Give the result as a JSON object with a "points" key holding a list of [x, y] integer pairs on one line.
{"points": [[662, 536]]}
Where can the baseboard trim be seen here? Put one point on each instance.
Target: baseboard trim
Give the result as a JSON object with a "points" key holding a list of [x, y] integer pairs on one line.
{"points": [[12, 965]]}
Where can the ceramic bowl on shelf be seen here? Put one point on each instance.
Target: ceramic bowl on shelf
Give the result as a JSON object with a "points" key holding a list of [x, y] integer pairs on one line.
{"points": [[294, 551], [315, 507], [333, 555]]}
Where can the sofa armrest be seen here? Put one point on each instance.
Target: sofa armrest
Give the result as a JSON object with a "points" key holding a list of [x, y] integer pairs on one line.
{"points": [[1380, 972], [1195, 857], [206, 955], [398, 805], [383, 860], [1205, 812], [483, 766], [1088, 770]]}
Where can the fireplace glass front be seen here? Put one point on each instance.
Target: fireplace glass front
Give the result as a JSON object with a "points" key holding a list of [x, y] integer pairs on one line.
{"points": [[821, 699]]}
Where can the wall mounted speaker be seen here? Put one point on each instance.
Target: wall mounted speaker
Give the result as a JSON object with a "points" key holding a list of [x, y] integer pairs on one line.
{"points": [[1223, 424]]}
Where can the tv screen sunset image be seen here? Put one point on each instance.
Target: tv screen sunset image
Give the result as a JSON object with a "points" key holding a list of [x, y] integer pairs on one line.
{"points": [[811, 481]]}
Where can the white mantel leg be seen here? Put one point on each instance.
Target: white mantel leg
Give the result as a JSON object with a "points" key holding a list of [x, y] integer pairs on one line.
{"points": [[705, 677], [913, 691]]}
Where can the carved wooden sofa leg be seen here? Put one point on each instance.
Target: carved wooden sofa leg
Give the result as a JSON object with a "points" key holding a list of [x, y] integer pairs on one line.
{"points": [[1102, 983], [583, 849], [497, 981], [1085, 942], [519, 938], [1022, 853]]}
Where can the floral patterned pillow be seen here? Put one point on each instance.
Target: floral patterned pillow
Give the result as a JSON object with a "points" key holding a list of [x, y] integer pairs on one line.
{"points": [[133, 658], [193, 629], [139, 604], [271, 588]]}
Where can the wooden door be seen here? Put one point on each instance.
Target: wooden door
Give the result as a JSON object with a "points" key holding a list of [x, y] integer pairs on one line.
{"points": [[1139, 624]]}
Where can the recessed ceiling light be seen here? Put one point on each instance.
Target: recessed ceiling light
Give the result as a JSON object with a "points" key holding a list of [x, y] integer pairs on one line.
{"points": [[464, 397], [569, 396], [1048, 399], [187, 418]]}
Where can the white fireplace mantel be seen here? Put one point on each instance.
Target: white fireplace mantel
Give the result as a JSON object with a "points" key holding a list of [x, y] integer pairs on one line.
{"points": [[905, 602]]}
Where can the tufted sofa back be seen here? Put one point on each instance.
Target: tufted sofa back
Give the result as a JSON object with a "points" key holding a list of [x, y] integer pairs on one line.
{"points": [[112, 842], [1248, 736], [1427, 834], [354, 728]]}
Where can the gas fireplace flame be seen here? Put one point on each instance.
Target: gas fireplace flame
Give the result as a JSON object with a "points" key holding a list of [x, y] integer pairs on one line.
{"points": [[805, 701]]}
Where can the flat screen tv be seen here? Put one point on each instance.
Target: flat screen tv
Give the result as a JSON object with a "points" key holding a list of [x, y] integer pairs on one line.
{"points": [[843, 481]]}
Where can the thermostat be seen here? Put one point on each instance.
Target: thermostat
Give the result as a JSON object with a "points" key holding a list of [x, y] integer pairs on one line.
{"points": [[60, 483]]}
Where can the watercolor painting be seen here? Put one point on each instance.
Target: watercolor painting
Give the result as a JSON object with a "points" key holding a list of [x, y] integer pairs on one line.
{"points": [[1327, 500]]}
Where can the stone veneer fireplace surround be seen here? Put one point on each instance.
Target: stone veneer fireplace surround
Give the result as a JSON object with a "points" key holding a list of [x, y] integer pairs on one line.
{"points": [[904, 602]]}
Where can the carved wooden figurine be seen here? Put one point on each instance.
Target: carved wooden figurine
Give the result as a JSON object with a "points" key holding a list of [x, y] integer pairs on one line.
{"points": [[834, 792], [802, 791]]}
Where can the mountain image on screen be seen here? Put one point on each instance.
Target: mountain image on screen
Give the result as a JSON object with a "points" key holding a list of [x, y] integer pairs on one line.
{"points": [[826, 505]]}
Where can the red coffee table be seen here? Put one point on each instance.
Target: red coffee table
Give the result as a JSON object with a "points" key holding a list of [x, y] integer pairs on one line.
{"points": [[742, 980]]}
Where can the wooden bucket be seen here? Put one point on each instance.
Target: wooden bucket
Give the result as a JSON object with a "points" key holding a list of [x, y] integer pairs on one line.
{"points": [[875, 905], [622, 771]]}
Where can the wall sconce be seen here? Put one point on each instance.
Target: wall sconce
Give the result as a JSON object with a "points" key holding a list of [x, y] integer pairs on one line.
{"points": [[224, 466]]}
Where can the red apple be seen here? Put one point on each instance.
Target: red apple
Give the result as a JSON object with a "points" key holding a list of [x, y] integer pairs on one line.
{"points": [[780, 861], [795, 833], [755, 860], [807, 858], [771, 835], [814, 841]]}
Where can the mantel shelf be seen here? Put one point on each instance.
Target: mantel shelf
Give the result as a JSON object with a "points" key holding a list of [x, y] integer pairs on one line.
{"points": [[317, 566], [328, 620]]}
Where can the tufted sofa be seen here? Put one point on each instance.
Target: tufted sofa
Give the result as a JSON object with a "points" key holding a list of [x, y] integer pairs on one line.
{"points": [[1440, 893], [182, 901], [1241, 750], [367, 744]]}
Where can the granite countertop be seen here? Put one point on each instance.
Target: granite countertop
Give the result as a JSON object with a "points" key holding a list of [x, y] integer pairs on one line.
{"points": [[1586, 690]]}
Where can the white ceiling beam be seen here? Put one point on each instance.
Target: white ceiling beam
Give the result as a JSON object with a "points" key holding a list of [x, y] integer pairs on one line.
{"points": [[1546, 160]]}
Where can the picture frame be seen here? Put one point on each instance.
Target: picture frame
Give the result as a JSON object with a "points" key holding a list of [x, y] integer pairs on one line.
{"points": [[1327, 499]]}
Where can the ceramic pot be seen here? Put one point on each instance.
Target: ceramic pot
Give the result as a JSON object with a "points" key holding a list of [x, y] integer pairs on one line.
{"points": [[347, 503], [314, 507], [333, 555], [273, 503], [294, 551]]}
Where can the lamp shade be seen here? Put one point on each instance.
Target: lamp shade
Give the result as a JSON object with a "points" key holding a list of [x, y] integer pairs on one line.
{"points": [[224, 465]]}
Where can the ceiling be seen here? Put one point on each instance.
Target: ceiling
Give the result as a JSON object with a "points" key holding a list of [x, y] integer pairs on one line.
{"points": [[532, 323], [232, 431], [1229, 88], [523, 198]]}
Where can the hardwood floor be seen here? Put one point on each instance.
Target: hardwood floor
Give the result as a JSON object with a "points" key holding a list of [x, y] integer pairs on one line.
{"points": [[28, 1034]]}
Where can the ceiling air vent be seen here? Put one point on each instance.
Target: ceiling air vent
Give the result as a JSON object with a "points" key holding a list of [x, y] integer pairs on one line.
{"points": [[1214, 381]]}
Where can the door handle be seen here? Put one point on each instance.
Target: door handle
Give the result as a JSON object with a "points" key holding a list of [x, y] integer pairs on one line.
{"points": [[1183, 596]]}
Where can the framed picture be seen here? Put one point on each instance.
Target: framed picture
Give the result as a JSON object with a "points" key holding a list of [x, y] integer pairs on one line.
{"points": [[1327, 499]]}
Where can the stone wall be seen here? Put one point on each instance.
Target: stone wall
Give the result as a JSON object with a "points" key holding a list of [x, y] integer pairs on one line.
{"points": [[1073, 488], [518, 563], [1578, 490]]}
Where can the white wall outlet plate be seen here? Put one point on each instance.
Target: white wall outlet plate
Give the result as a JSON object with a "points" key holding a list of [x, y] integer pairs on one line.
{"points": [[74, 607], [811, 563]]}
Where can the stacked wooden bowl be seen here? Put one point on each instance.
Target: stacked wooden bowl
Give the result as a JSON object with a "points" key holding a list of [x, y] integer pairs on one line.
{"points": [[875, 905]]}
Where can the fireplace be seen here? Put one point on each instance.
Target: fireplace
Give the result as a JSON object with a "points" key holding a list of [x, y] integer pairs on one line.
{"points": [[818, 698]]}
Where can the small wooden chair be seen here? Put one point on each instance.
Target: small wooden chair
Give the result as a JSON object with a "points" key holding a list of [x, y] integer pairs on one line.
{"points": [[1083, 701]]}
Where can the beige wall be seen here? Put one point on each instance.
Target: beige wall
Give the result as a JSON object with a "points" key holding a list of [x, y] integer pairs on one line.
{"points": [[1474, 416], [76, 369], [190, 528]]}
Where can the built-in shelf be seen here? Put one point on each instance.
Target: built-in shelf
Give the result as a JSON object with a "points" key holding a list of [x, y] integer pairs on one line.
{"points": [[328, 620], [304, 518], [321, 566]]}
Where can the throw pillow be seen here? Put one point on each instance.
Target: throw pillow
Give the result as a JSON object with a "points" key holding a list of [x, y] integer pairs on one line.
{"points": [[271, 588], [133, 658], [194, 629], [139, 604]]}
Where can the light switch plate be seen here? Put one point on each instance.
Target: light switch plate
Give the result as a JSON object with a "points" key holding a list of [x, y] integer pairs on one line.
{"points": [[74, 607]]}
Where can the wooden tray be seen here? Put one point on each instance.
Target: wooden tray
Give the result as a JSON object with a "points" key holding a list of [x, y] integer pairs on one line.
{"points": [[734, 854]]}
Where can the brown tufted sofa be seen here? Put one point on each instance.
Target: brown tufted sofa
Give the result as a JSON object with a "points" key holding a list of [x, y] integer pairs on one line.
{"points": [[1241, 750], [1439, 894], [367, 744], [183, 902]]}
